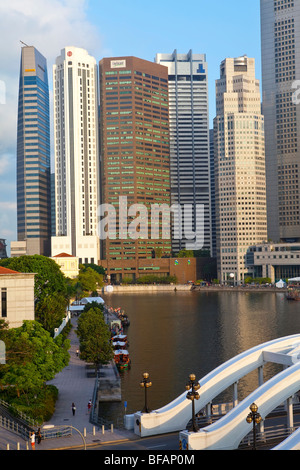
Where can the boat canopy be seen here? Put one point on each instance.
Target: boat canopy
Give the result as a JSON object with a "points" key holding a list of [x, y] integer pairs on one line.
{"points": [[121, 351]]}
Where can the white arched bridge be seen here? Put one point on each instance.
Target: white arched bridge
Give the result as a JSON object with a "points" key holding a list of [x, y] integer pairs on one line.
{"points": [[228, 431]]}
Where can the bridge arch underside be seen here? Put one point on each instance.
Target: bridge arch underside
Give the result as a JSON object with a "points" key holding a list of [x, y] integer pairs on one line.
{"points": [[175, 416]]}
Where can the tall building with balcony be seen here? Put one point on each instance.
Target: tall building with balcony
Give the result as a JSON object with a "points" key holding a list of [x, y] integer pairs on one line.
{"points": [[76, 155], [280, 29], [33, 155], [135, 162], [239, 154], [189, 144]]}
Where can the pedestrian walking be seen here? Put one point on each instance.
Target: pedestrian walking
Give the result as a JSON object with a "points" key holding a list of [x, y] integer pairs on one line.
{"points": [[32, 440], [89, 406], [73, 409], [39, 436]]}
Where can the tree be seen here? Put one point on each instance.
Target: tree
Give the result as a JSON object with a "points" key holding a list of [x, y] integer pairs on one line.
{"points": [[89, 280], [33, 357], [50, 287], [94, 337], [48, 280], [98, 269], [50, 311], [185, 254]]}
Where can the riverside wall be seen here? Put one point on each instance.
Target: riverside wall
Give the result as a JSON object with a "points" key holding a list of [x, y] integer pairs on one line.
{"points": [[146, 288], [187, 288]]}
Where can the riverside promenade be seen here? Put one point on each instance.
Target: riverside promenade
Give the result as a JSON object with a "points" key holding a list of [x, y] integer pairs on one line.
{"points": [[73, 386]]}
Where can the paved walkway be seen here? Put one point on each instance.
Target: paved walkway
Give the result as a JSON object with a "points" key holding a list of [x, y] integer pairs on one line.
{"points": [[74, 386]]}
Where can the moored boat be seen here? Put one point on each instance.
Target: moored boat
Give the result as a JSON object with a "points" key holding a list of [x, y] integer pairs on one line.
{"points": [[122, 359], [293, 294]]}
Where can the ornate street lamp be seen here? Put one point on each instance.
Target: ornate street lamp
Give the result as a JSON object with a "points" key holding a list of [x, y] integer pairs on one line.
{"points": [[193, 395], [145, 383], [255, 418]]}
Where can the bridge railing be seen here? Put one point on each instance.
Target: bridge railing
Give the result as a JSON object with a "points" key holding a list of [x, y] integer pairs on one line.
{"points": [[15, 427]]}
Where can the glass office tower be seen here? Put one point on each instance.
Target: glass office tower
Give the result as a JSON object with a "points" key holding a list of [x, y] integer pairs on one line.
{"points": [[33, 154], [189, 141]]}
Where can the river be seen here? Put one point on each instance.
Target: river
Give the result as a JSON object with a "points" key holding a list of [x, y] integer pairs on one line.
{"points": [[174, 334]]}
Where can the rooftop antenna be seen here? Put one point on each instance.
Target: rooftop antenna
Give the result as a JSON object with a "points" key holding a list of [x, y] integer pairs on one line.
{"points": [[24, 43]]}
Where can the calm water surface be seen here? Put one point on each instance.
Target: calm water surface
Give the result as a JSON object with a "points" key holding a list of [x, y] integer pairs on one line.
{"points": [[172, 335]]}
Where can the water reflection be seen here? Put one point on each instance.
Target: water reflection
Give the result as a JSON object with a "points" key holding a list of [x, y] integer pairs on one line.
{"points": [[172, 335]]}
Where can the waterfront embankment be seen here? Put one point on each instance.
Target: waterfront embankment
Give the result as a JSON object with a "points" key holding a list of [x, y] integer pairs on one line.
{"points": [[256, 289], [145, 288], [122, 289]]}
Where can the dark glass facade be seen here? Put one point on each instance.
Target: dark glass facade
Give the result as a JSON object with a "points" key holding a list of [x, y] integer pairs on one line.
{"points": [[33, 153]]}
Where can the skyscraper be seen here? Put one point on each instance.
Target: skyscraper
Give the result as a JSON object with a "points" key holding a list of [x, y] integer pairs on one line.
{"points": [[76, 155], [239, 168], [33, 154], [280, 28], [134, 136], [189, 138]]}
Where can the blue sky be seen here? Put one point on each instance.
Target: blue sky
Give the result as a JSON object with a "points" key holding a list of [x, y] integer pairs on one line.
{"points": [[218, 28]]}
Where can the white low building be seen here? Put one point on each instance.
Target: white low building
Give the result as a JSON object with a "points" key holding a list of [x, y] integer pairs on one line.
{"points": [[79, 305], [16, 297]]}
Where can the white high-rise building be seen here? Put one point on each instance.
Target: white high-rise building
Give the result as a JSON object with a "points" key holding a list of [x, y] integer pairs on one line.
{"points": [[280, 30], [240, 184], [189, 139], [75, 98]]}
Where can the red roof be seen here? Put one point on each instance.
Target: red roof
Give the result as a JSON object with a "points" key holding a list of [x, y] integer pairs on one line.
{"points": [[7, 271], [63, 255]]}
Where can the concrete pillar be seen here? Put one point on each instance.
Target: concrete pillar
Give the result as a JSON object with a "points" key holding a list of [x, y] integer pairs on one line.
{"points": [[290, 415], [235, 394], [208, 410], [260, 375]]}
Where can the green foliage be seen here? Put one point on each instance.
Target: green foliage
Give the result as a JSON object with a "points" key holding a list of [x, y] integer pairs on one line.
{"points": [[185, 254], [38, 404], [33, 357], [94, 337], [49, 279], [89, 280], [127, 280], [50, 287], [153, 279], [98, 269], [257, 280]]}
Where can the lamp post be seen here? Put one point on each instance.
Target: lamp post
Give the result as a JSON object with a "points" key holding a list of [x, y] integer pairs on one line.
{"points": [[255, 418], [145, 383], [193, 395]]}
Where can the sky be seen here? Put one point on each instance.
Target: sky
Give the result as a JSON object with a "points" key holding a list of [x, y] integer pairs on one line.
{"points": [[217, 28]]}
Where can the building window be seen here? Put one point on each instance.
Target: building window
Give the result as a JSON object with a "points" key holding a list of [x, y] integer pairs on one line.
{"points": [[4, 302]]}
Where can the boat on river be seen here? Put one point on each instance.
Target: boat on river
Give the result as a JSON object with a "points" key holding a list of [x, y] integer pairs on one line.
{"points": [[119, 339], [122, 359], [293, 294]]}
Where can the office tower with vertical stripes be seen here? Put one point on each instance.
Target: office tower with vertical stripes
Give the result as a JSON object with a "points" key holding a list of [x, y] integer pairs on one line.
{"points": [[240, 184], [135, 159], [280, 29], [76, 155], [33, 155], [189, 139]]}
